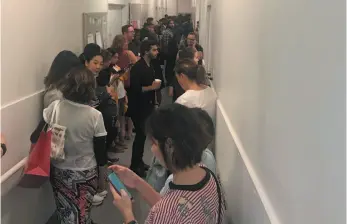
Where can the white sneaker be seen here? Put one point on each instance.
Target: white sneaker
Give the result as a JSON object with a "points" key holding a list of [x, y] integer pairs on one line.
{"points": [[102, 194], [97, 200]]}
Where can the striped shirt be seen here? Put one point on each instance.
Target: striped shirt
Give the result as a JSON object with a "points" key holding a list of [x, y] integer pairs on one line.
{"points": [[189, 204]]}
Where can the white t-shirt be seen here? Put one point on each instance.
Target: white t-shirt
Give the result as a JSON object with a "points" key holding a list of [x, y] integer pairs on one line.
{"points": [[120, 90], [83, 123], [51, 96], [205, 99]]}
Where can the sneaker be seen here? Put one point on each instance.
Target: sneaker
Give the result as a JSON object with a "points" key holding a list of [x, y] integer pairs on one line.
{"points": [[116, 149], [97, 200], [102, 194], [121, 144]]}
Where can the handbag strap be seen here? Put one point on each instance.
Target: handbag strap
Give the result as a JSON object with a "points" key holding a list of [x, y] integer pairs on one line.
{"points": [[219, 191], [55, 113]]}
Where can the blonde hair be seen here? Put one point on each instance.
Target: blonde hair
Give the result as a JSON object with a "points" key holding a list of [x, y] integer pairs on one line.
{"points": [[118, 43]]}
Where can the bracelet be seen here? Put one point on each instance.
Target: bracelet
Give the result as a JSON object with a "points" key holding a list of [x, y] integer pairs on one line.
{"points": [[132, 222]]}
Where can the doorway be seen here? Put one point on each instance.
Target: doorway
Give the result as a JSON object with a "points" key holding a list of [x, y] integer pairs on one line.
{"points": [[208, 55], [114, 22]]}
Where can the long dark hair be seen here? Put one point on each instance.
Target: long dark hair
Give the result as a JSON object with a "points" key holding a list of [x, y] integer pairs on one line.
{"points": [[61, 65]]}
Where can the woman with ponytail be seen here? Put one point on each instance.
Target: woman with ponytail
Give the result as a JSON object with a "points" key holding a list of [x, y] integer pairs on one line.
{"points": [[192, 79]]}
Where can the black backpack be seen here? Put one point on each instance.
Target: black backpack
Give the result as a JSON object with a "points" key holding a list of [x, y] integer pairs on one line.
{"points": [[105, 104]]}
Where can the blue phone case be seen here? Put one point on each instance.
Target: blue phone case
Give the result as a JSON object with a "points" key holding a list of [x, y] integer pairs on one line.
{"points": [[117, 184]]}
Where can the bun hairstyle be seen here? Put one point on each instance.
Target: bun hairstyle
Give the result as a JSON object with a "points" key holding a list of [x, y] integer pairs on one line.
{"points": [[90, 51], [189, 68], [181, 136]]}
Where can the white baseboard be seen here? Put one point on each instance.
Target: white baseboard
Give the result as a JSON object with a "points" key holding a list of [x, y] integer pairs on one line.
{"points": [[18, 120], [246, 196]]}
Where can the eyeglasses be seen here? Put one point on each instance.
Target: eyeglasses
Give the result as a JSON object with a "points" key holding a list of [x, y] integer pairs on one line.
{"points": [[191, 39]]}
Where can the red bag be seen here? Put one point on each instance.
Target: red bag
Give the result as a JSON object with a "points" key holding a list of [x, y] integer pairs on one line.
{"points": [[37, 169]]}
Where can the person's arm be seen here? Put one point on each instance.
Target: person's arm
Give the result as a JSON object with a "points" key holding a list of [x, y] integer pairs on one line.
{"points": [[100, 150], [126, 99], [36, 133], [132, 180], [99, 141], [147, 192], [171, 91], [152, 87], [132, 57], [136, 83]]}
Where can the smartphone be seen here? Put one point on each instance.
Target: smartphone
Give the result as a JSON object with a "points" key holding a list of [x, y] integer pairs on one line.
{"points": [[114, 71], [117, 184]]}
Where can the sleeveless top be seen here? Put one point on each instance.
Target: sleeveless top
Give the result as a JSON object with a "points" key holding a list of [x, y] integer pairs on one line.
{"points": [[123, 60]]}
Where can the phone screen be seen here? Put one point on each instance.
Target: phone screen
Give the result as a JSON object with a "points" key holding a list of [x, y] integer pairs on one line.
{"points": [[117, 184]]}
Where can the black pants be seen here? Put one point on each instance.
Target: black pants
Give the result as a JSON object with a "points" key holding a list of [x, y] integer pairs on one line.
{"points": [[111, 129], [139, 142], [169, 69]]}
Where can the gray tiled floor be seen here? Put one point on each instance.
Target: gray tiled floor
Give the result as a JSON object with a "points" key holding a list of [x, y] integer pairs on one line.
{"points": [[107, 213]]}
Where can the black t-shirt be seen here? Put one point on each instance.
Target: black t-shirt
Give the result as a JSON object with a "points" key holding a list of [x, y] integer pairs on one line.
{"points": [[134, 47], [158, 71], [141, 103], [104, 77]]}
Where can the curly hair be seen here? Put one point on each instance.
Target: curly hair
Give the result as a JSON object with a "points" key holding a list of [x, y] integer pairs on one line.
{"points": [[79, 85]]}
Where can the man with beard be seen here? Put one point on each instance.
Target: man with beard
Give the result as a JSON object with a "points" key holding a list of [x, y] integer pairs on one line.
{"points": [[142, 100]]}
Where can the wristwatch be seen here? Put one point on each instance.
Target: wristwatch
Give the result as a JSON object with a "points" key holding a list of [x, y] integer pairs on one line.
{"points": [[133, 222]]}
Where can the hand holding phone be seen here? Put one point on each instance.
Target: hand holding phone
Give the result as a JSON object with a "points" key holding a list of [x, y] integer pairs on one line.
{"points": [[118, 185], [123, 202]]}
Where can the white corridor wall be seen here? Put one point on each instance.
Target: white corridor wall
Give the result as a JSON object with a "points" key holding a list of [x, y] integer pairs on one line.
{"points": [[32, 33], [279, 71]]}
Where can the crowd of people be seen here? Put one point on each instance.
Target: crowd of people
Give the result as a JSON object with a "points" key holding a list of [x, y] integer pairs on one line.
{"points": [[104, 95]]}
